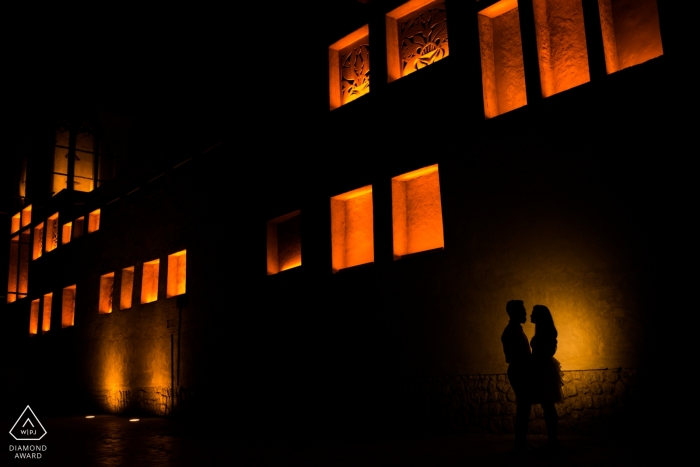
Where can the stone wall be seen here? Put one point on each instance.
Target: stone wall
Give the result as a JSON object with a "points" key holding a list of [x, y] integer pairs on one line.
{"points": [[147, 400], [593, 400]]}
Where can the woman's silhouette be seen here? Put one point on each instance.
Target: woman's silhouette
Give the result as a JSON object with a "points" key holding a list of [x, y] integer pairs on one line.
{"points": [[546, 370]]}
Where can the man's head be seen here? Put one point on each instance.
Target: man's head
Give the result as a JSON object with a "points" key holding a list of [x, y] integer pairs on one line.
{"points": [[516, 311]]}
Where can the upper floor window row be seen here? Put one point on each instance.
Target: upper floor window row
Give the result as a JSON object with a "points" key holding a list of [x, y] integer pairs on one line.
{"points": [[417, 36]]}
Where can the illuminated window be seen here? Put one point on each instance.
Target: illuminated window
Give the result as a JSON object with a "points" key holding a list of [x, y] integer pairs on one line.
{"points": [[127, 288], [106, 292], [349, 67], [46, 318], [284, 243], [631, 33], [38, 241], [26, 216], [502, 70], [177, 273], [68, 307], [352, 229], [149, 282], [94, 221], [65, 236], [34, 318], [561, 45], [417, 211], [77, 141], [416, 36], [14, 227], [78, 227], [51, 241], [18, 274]]}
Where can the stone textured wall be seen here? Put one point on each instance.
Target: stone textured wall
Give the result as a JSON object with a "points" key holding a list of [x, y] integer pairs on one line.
{"points": [[486, 403], [147, 400]]}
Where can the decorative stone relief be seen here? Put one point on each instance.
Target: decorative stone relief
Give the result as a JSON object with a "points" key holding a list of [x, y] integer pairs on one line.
{"points": [[423, 38], [354, 65]]}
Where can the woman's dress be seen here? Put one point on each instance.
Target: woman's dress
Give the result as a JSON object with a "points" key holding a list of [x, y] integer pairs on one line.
{"points": [[547, 377]]}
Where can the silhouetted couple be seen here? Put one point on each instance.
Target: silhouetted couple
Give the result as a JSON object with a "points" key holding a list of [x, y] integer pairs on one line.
{"points": [[533, 372]]}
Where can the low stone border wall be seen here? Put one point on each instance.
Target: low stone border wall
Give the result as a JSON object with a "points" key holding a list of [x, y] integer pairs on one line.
{"points": [[486, 403]]}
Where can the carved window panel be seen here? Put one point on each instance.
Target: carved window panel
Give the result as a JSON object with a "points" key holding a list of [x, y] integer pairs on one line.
{"points": [[417, 212], [352, 228], [34, 318], [18, 273], [177, 273], [66, 234], [38, 241], [106, 293], [416, 36], [68, 307], [26, 216], [348, 61], [502, 69], [149, 281], [46, 318], [631, 33], [94, 221], [51, 241], [561, 45], [79, 227], [284, 243], [126, 293]]}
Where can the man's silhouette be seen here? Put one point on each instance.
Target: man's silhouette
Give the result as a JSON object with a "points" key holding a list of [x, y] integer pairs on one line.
{"points": [[518, 356]]}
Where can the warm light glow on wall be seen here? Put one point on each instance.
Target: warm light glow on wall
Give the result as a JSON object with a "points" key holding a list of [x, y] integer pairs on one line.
{"points": [[416, 36], [38, 241], [417, 211], [34, 318], [26, 216], [561, 45], [106, 293], [79, 227], [94, 221], [177, 273], [14, 226], [348, 61], [68, 307], [502, 69], [46, 315], [284, 243], [127, 288], [631, 33], [13, 270], [352, 228], [149, 282], [51, 241], [66, 235]]}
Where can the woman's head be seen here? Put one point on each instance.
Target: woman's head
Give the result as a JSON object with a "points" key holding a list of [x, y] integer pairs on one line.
{"points": [[542, 318]]}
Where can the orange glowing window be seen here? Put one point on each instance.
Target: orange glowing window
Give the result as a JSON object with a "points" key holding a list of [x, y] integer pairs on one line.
{"points": [[68, 307], [284, 243], [46, 318], [416, 36], [417, 212], [34, 318], [177, 273], [18, 274], [94, 221], [79, 227], [106, 292], [149, 281], [38, 241], [348, 61], [51, 241], [631, 33], [561, 45], [502, 69], [14, 227], [352, 229], [127, 288], [67, 229], [26, 216]]}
